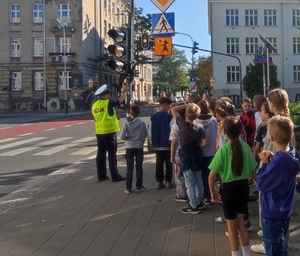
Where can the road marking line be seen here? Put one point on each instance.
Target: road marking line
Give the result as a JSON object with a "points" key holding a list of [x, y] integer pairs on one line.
{"points": [[84, 151], [50, 129], [18, 151], [14, 144], [26, 134], [7, 139], [56, 149]]}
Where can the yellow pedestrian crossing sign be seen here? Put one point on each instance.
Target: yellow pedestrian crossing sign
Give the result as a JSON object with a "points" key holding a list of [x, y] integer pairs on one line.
{"points": [[162, 46]]}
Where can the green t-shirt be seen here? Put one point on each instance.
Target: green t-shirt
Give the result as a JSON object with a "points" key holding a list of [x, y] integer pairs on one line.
{"points": [[221, 163]]}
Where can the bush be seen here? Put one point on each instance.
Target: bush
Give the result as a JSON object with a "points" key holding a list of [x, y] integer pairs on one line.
{"points": [[295, 112]]}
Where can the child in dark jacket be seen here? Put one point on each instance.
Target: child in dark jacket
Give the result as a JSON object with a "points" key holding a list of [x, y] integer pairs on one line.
{"points": [[134, 132], [159, 137], [276, 181]]}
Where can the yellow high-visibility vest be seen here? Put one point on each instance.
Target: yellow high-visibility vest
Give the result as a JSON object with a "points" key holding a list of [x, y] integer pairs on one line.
{"points": [[104, 123]]}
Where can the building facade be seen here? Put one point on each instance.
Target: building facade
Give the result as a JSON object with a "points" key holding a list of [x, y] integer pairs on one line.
{"points": [[48, 58], [235, 25]]}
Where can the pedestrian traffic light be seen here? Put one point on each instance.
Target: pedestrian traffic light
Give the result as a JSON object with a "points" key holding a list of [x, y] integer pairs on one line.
{"points": [[195, 46], [118, 50], [145, 41]]}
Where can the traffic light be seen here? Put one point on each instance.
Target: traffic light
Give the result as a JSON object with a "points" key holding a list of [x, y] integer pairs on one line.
{"points": [[145, 41], [194, 47], [118, 50]]}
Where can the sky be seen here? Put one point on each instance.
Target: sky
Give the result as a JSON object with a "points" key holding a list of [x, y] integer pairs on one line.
{"points": [[191, 17]]}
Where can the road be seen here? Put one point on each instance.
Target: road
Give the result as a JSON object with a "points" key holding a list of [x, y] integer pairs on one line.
{"points": [[32, 150]]}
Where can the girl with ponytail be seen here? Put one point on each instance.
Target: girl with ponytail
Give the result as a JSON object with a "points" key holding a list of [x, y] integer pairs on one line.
{"points": [[234, 163]]}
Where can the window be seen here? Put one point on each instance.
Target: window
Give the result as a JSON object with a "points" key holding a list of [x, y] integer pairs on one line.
{"points": [[233, 74], [15, 47], [113, 9], [38, 80], [270, 18], [61, 80], [296, 45], [251, 18], [38, 47], [251, 45], [15, 13], [233, 45], [64, 13], [296, 17], [273, 41], [16, 81], [38, 13], [108, 5], [232, 17], [105, 4], [64, 45], [105, 27], [118, 15], [297, 73]]}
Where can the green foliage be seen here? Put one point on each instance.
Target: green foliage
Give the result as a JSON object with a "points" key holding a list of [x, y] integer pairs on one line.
{"points": [[253, 80], [172, 73], [294, 110]]}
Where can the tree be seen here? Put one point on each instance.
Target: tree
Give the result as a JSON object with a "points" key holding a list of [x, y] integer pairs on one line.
{"points": [[203, 70], [253, 80], [172, 73]]}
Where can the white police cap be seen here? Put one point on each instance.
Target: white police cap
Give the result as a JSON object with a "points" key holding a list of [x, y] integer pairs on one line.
{"points": [[103, 90]]}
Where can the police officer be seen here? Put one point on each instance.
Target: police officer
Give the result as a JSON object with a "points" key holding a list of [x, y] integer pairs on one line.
{"points": [[106, 128]]}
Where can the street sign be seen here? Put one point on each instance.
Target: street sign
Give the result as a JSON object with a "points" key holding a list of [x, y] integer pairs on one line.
{"points": [[163, 24], [268, 43], [162, 5], [162, 46]]}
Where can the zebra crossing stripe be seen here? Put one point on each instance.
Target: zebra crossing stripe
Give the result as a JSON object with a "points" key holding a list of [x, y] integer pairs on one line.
{"points": [[55, 150], [7, 139], [50, 142], [22, 142], [18, 151], [84, 151]]}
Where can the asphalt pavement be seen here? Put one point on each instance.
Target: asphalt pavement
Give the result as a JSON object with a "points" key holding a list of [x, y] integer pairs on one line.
{"points": [[68, 213]]}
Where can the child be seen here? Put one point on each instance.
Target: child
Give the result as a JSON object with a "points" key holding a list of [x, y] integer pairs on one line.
{"points": [[181, 195], [223, 109], [234, 163], [210, 125], [276, 181], [159, 137], [266, 114], [134, 132], [258, 100], [192, 137], [248, 121], [278, 102]]}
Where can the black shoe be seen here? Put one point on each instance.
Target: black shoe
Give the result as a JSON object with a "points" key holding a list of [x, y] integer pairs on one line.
{"points": [[120, 179], [201, 206], [102, 179], [190, 210]]}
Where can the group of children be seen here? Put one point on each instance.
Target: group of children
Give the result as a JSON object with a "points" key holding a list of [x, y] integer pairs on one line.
{"points": [[206, 143]]}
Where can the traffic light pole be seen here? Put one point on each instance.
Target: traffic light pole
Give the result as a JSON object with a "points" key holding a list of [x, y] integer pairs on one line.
{"points": [[224, 54], [130, 57]]}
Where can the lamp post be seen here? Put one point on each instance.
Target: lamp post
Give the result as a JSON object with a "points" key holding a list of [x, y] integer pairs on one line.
{"points": [[179, 33], [44, 56], [65, 64]]}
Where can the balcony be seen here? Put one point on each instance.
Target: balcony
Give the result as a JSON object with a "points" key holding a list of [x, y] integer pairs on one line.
{"points": [[57, 29]]}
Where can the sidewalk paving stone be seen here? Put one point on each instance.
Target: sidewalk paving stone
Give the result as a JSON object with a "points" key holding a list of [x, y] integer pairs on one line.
{"points": [[74, 215]]}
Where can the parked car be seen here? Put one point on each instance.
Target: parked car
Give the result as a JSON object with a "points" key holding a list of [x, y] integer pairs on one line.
{"points": [[174, 99]]}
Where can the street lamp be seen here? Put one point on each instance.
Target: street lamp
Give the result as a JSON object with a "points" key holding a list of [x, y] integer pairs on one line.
{"points": [[178, 33], [65, 63]]}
